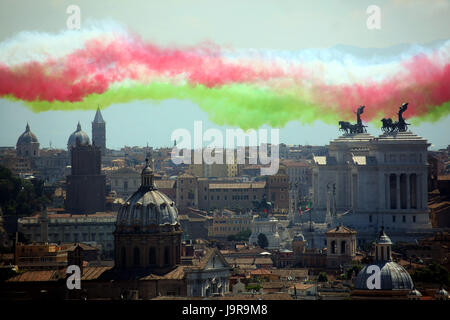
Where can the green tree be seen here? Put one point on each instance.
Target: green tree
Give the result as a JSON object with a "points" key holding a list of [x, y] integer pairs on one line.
{"points": [[323, 277], [355, 269], [19, 196], [262, 241], [433, 273]]}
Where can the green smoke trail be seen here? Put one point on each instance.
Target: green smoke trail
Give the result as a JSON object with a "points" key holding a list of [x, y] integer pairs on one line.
{"points": [[433, 114], [247, 107]]}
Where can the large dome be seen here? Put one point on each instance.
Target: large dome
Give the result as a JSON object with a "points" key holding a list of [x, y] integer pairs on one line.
{"points": [[78, 135], [393, 277], [27, 137], [147, 209]]}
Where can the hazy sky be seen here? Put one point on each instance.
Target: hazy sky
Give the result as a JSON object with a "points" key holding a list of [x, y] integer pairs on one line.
{"points": [[272, 24]]}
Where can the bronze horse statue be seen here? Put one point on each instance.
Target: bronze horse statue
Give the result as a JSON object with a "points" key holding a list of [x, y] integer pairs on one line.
{"points": [[347, 127], [399, 126]]}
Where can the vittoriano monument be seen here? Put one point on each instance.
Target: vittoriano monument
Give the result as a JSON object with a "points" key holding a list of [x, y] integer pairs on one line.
{"points": [[400, 126], [347, 127]]}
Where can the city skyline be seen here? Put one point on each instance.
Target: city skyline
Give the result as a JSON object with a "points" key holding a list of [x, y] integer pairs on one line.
{"points": [[405, 27]]}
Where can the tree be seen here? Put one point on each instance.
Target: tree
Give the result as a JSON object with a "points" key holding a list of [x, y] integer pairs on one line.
{"points": [[262, 241], [323, 277], [19, 196], [355, 269], [433, 273]]}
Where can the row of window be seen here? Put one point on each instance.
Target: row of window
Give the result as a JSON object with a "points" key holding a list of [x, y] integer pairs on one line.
{"points": [[412, 158], [224, 229], [394, 219]]}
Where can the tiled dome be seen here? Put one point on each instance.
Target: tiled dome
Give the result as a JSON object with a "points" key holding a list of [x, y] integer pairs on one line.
{"points": [[393, 277], [80, 136], [27, 137], [147, 209]]}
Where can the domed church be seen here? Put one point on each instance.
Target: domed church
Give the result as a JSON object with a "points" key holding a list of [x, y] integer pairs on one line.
{"points": [[395, 281], [148, 233], [78, 136], [27, 144]]}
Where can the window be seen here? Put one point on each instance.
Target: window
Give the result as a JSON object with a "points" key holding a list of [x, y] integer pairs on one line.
{"points": [[414, 219], [136, 256], [370, 219], [393, 218], [152, 255], [333, 246], [404, 218]]}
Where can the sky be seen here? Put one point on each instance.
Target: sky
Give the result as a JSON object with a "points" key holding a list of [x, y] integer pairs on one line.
{"points": [[264, 24]]}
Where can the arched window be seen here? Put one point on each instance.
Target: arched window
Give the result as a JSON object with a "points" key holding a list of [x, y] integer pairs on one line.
{"points": [[382, 253], [333, 246], [152, 255], [123, 255], [136, 256]]}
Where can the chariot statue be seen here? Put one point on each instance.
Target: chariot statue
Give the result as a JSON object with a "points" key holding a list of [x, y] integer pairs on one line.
{"points": [[358, 127], [390, 126]]}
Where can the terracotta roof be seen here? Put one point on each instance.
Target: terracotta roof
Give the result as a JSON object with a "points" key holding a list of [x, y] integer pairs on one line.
{"points": [[295, 273], [303, 286], [341, 230], [241, 185], [274, 285], [92, 273], [38, 276], [165, 184], [260, 272], [269, 296]]}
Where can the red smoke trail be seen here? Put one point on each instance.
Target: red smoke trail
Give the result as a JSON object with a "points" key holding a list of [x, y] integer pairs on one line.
{"points": [[422, 83], [92, 69]]}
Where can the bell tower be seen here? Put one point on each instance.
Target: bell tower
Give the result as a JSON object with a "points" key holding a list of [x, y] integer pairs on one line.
{"points": [[99, 131]]}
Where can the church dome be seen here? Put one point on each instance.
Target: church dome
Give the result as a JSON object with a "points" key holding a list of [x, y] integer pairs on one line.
{"points": [[147, 209], [393, 277], [27, 137], [78, 135]]}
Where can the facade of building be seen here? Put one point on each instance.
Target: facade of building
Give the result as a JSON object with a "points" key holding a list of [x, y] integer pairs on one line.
{"points": [[225, 223], [366, 182], [124, 181], [341, 246], [209, 194], [86, 186], [95, 229]]}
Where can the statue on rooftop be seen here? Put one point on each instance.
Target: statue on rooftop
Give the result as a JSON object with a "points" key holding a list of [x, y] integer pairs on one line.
{"points": [[399, 126], [348, 127], [263, 207]]}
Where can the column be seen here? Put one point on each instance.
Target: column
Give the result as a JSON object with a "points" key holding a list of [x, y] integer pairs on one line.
{"points": [[388, 191], [397, 185], [423, 191], [408, 192]]}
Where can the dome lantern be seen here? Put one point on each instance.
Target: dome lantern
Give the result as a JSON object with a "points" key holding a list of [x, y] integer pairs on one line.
{"points": [[383, 247], [147, 176]]}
